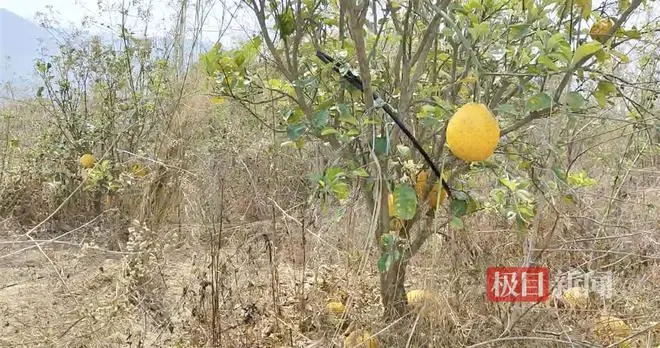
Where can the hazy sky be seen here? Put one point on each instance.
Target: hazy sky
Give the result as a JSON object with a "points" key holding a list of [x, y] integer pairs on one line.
{"points": [[69, 12], [72, 12]]}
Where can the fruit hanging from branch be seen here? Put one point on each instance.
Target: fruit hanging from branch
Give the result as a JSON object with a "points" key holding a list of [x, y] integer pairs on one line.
{"points": [[432, 198], [601, 29], [473, 132]]}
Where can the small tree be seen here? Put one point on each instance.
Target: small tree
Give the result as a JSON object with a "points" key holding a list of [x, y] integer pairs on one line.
{"points": [[525, 60]]}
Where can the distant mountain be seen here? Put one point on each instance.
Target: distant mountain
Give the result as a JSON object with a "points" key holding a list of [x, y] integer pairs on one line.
{"points": [[23, 41], [20, 43]]}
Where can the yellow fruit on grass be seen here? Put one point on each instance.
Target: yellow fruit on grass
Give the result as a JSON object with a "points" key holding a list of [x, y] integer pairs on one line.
{"points": [[417, 298], [360, 338], [576, 297], [609, 327], [335, 308], [87, 160], [473, 132], [138, 170], [599, 31]]}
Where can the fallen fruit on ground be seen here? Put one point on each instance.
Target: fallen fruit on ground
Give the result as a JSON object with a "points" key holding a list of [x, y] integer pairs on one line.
{"points": [[473, 132], [418, 298], [335, 308], [138, 170], [360, 338], [576, 297], [610, 328], [338, 295], [87, 160], [599, 31]]}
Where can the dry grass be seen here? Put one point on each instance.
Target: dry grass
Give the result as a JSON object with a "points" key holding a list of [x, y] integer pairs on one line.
{"points": [[232, 258]]}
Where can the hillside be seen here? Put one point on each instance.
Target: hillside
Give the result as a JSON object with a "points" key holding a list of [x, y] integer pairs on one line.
{"points": [[20, 43]]}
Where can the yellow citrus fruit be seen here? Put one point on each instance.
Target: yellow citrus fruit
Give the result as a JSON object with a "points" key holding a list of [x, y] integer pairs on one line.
{"points": [[473, 132], [422, 302], [433, 196], [87, 160], [338, 295], [599, 31], [138, 170], [609, 327], [419, 297], [420, 185], [416, 296], [576, 297], [361, 338], [335, 308]]}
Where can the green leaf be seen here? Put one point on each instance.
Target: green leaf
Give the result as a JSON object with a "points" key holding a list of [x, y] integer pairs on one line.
{"points": [[458, 206], [525, 196], [602, 56], [328, 131], [334, 173], [456, 223], [538, 102], [498, 196], [555, 41], [623, 58], [479, 30], [405, 200], [360, 172], [575, 101], [559, 174], [316, 179], [320, 118], [623, 5], [603, 91], [247, 52], [510, 184], [633, 34], [585, 5], [286, 23], [387, 259], [517, 31], [340, 190], [353, 132], [586, 50], [581, 179], [507, 109], [335, 177], [382, 146], [295, 131], [403, 150], [387, 241], [548, 63], [349, 119], [343, 110]]}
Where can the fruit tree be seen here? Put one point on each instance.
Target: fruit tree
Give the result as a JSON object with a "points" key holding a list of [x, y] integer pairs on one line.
{"points": [[469, 78]]}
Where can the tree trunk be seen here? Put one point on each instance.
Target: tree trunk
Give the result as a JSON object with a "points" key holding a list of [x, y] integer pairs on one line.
{"points": [[392, 291]]}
